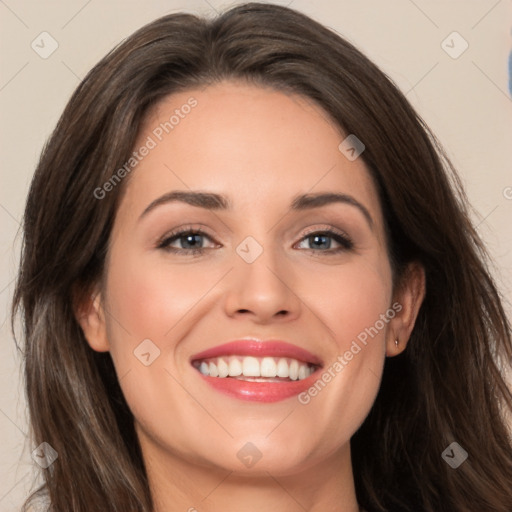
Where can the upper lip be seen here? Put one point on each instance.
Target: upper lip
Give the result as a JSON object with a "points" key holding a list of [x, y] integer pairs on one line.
{"points": [[259, 348]]}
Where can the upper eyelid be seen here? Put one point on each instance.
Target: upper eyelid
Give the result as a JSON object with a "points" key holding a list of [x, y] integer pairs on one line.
{"points": [[179, 232], [322, 229]]}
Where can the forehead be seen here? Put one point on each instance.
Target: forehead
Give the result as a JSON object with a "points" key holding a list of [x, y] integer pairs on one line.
{"points": [[251, 143]]}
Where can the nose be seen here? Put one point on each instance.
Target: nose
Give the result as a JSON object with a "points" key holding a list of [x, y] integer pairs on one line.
{"points": [[262, 290]]}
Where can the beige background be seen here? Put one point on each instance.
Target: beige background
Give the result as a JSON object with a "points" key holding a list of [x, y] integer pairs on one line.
{"points": [[464, 100]]}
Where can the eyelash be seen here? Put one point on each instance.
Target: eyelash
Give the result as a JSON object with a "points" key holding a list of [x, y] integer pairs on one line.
{"points": [[341, 238]]}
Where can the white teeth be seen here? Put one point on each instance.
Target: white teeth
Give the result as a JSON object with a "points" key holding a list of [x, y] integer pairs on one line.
{"points": [[282, 368], [294, 370], [268, 367], [250, 367], [204, 369], [213, 370], [235, 367], [260, 368], [223, 367]]}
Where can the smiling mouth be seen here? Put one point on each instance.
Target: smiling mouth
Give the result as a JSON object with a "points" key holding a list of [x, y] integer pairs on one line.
{"points": [[255, 369]]}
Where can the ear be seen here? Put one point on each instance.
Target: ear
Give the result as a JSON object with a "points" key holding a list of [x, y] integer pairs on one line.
{"points": [[89, 313], [407, 302]]}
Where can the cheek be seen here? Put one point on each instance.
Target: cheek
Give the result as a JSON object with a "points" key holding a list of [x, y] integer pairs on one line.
{"points": [[145, 302], [356, 308], [149, 299], [352, 298]]}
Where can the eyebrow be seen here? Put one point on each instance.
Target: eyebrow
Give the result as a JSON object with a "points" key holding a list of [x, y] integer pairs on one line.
{"points": [[213, 201]]}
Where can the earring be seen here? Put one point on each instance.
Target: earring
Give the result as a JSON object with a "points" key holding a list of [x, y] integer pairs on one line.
{"points": [[396, 342]]}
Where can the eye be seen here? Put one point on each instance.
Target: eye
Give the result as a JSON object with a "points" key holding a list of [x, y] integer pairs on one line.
{"points": [[322, 240], [189, 241]]}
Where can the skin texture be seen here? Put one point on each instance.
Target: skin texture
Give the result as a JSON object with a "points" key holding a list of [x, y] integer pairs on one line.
{"points": [[261, 148]]}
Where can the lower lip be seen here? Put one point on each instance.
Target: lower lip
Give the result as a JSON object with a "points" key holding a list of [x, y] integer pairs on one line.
{"points": [[259, 391]]}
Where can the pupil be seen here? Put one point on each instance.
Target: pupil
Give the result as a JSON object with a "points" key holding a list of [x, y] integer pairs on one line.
{"points": [[191, 237], [317, 237]]}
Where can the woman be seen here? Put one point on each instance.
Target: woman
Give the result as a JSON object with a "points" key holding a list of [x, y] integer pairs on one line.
{"points": [[250, 282]]}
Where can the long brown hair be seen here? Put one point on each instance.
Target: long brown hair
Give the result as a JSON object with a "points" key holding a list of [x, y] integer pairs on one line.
{"points": [[445, 387]]}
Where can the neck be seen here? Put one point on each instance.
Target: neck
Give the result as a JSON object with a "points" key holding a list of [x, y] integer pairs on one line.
{"points": [[180, 485]]}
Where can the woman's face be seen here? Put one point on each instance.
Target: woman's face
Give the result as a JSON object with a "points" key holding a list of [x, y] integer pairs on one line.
{"points": [[258, 273]]}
